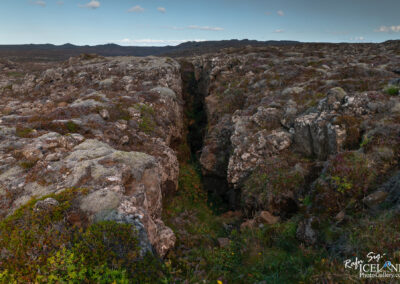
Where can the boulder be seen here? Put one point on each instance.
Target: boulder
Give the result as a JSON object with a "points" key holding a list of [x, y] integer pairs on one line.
{"points": [[375, 198], [316, 136], [267, 218], [104, 114], [306, 231], [224, 242], [248, 224], [46, 204]]}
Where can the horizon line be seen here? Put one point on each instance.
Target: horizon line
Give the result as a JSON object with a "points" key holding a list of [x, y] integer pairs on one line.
{"points": [[199, 41]]}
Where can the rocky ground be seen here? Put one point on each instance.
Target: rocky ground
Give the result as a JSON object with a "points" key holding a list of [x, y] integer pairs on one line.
{"points": [[247, 165], [283, 121]]}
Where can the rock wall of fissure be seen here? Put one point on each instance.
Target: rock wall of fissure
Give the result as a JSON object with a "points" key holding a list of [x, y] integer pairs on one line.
{"points": [[210, 150]]}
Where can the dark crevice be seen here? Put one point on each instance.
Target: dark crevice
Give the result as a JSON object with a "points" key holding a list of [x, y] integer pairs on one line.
{"points": [[195, 113], [194, 91], [222, 196]]}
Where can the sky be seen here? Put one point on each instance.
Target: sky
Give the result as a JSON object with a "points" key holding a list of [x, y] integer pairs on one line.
{"points": [[171, 22]]}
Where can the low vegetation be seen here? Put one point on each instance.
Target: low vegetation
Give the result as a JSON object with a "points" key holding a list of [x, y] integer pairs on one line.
{"points": [[347, 180], [23, 132], [43, 246], [147, 123], [392, 90]]}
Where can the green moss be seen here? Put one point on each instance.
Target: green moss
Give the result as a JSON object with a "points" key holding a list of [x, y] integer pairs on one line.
{"points": [[148, 124], [392, 90], [191, 194], [307, 200], [144, 109], [72, 127], [23, 132], [27, 164], [341, 184], [15, 74], [365, 141]]}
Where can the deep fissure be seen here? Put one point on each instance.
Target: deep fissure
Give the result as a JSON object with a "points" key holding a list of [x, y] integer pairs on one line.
{"points": [[221, 196], [194, 109]]}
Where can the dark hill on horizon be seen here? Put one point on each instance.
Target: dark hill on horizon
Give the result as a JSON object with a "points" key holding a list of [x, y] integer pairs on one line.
{"points": [[50, 52]]}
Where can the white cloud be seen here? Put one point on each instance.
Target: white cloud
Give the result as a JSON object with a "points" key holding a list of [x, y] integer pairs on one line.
{"points": [[136, 9], [174, 28], [91, 5], [387, 29], [39, 3], [161, 9], [280, 13], [154, 42], [278, 31], [205, 28]]}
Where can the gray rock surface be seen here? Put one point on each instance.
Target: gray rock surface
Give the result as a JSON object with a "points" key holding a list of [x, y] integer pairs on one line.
{"points": [[92, 123]]}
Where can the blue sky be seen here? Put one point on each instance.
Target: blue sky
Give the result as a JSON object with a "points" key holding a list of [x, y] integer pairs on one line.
{"points": [[170, 22]]}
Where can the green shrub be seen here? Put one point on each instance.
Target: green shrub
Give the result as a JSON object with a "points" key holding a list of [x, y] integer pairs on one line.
{"points": [[225, 261], [41, 247], [65, 266], [29, 236], [108, 243], [351, 171], [341, 184], [346, 181], [392, 90], [307, 200]]}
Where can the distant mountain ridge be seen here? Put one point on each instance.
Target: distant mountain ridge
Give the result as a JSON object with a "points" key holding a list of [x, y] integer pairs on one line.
{"points": [[46, 52]]}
